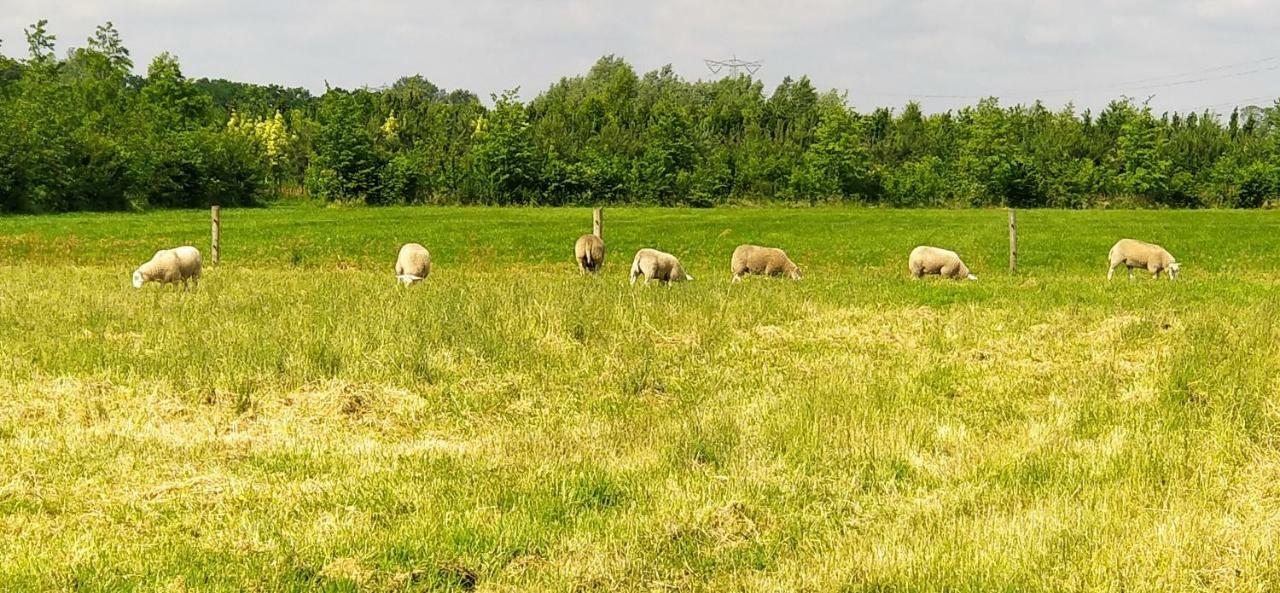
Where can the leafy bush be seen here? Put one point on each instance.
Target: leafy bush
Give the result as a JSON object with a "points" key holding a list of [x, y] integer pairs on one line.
{"points": [[202, 168], [1257, 182], [405, 179]]}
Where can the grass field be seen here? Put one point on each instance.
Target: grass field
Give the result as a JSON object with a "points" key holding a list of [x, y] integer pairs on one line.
{"points": [[299, 423]]}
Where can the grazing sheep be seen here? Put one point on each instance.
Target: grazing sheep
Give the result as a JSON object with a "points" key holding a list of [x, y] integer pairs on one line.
{"points": [[589, 251], [657, 265], [769, 261], [413, 264], [1137, 254], [170, 266], [932, 260]]}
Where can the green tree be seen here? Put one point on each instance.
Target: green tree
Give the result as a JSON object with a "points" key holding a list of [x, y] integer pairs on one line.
{"points": [[40, 45], [347, 165], [506, 157], [995, 161], [175, 102], [662, 172], [836, 164], [1142, 171]]}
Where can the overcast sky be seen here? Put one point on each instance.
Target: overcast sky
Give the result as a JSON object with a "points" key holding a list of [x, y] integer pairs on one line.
{"points": [[1190, 54]]}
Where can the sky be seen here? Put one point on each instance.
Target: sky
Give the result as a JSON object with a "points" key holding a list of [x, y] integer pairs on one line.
{"points": [[1183, 54]]}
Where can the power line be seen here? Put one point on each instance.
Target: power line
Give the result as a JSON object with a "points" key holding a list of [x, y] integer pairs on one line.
{"points": [[1127, 85], [1236, 103], [1208, 78], [1202, 71]]}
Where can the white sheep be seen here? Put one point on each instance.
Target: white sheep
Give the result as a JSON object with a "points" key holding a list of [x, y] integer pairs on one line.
{"points": [[170, 266], [657, 265], [933, 260], [589, 251], [769, 261], [1137, 254], [413, 264]]}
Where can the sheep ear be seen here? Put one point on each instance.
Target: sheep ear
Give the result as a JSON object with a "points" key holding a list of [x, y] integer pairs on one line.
{"points": [[137, 279]]}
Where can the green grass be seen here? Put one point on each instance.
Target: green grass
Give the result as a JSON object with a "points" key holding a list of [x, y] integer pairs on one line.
{"points": [[299, 423]]}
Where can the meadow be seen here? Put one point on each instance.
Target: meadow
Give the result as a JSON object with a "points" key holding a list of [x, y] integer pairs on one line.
{"points": [[301, 423]]}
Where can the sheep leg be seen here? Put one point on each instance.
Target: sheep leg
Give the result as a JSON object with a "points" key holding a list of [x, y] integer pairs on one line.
{"points": [[737, 277], [1130, 268], [1111, 271]]}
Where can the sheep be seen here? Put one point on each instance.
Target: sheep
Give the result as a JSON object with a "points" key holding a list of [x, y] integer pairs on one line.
{"points": [[1137, 254], [170, 266], [932, 260], [769, 261], [589, 251], [657, 265], [413, 264]]}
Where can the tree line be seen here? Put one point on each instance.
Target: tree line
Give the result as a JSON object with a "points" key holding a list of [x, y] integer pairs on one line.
{"points": [[83, 132]]}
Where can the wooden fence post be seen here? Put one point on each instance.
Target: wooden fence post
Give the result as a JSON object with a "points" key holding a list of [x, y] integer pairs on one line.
{"points": [[1013, 241], [597, 222], [216, 213]]}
